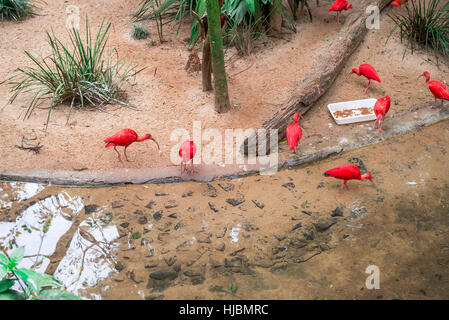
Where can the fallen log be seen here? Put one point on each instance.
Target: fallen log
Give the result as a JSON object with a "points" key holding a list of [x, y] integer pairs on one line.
{"points": [[320, 78]]}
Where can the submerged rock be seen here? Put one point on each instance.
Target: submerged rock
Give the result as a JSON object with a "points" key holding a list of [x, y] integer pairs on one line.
{"points": [[323, 225], [210, 191], [235, 202]]}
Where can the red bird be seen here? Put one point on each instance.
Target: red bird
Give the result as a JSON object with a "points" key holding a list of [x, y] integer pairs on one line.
{"points": [[397, 3], [438, 89], [222, 20], [380, 109], [338, 6], [187, 151], [367, 71], [124, 138], [347, 172], [294, 132]]}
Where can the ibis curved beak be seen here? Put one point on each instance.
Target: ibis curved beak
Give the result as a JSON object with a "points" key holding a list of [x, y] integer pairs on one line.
{"points": [[156, 144]]}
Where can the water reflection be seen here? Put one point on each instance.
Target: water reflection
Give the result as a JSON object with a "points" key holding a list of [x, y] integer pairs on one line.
{"points": [[39, 226]]}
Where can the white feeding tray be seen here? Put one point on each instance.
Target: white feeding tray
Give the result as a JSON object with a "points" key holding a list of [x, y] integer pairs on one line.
{"points": [[362, 110]]}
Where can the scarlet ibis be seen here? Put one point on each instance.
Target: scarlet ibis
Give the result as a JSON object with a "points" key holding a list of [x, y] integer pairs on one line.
{"points": [[338, 6], [124, 138], [222, 20], [438, 88], [187, 151], [367, 71], [294, 132], [347, 172], [397, 3], [380, 109]]}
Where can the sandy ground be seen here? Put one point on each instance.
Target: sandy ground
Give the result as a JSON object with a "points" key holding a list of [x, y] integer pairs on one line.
{"points": [[283, 240], [173, 99]]}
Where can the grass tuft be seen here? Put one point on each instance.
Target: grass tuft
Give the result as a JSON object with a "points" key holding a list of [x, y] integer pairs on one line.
{"points": [[83, 75], [16, 9], [425, 23]]}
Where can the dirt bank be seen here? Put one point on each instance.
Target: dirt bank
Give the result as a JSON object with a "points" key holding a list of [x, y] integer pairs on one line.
{"points": [[173, 99]]}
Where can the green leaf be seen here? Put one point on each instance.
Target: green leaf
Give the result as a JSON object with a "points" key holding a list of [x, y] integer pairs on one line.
{"points": [[12, 295], [3, 259], [6, 284], [3, 270], [35, 280], [16, 257], [54, 294], [164, 6], [233, 288], [239, 13]]}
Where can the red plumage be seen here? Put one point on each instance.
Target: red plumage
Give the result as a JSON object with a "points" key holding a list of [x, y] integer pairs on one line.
{"points": [[344, 172], [340, 5], [368, 72], [123, 137], [381, 107], [397, 3], [438, 88], [347, 172], [222, 20], [187, 151], [294, 132]]}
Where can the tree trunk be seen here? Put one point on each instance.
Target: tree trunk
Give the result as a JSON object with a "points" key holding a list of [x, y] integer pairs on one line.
{"points": [[294, 8], [276, 16], [206, 65], [222, 103]]}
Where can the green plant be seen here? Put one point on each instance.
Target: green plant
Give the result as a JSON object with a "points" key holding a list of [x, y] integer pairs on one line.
{"points": [[16, 9], [34, 285], [84, 74], [424, 23], [173, 9], [241, 36], [244, 17], [245, 22], [139, 32]]}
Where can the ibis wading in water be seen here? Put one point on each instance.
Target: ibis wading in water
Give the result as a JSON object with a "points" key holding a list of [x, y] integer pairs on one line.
{"points": [[187, 151], [294, 132], [367, 71], [438, 88], [347, 172], [338, 6], [124, 138], [380, 109]]}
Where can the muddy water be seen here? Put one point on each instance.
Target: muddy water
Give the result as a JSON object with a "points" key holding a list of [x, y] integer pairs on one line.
{"points": [[291, 235]]}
